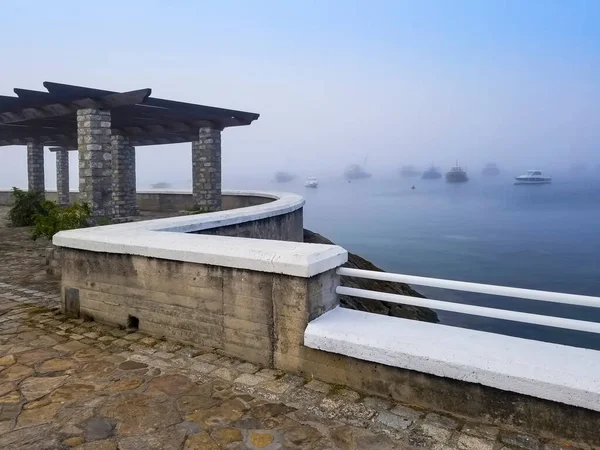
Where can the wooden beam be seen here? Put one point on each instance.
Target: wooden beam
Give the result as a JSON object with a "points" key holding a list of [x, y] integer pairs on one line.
{"points": [[200, 111], [61, 109]]}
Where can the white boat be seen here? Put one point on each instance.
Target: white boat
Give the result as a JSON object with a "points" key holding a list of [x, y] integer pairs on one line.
{"points": [[311, 182], [533, 177]]}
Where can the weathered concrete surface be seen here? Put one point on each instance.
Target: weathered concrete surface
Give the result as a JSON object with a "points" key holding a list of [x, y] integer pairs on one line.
{"points": [[160, 201], [229, 309], [286, 227]]}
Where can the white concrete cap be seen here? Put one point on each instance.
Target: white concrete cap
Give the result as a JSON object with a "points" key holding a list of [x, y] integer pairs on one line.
{"points": [[167, 239], [544, 370]]}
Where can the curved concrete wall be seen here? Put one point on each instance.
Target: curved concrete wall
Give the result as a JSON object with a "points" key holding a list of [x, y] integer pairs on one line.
{"points": [[167, 201], [287, 226]]}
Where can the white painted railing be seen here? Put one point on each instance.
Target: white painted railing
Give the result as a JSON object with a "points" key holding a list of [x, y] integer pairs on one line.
{"points": [[515, 316]]}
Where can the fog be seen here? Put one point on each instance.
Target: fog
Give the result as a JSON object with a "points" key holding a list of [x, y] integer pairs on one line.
{"points": [[337, 84]]}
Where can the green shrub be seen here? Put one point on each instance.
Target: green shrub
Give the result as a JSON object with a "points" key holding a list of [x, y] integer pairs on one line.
{"points": [[60, 218], [197, 209], [26, 207]]}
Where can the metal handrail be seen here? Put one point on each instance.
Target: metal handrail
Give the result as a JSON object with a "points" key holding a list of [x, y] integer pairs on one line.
{"points": [[529, 294], [515, 316]]}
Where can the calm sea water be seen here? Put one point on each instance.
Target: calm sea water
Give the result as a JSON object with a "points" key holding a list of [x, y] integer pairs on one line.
{"points": [[487, 230]]}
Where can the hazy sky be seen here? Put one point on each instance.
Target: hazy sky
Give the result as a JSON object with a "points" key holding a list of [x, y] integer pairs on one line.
{"points": [[517, 82]]}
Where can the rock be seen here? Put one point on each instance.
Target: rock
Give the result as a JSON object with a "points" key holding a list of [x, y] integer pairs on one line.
{"points": [[40, 436], [190, 427], [7, 360], [55, 365], [74, 441], [125, 384], [351, 438], [170, 384], [132, 365], [484, 431], [375, 306], [10, 398], [14, 373], [70, 346], [521, 441], [162, 440], [200, 441], [72, 392], [98, 428], [248, 379], [219, 416], [5, 388], [37, 416], [36, 387], [466, 442], [393, 421], [260, 440], [36, 356], [270, 410], [441, 421], [98, 445], [189, 404], [407, 413], [139, 413], [225, 436], [377, 403], [298, 438]]}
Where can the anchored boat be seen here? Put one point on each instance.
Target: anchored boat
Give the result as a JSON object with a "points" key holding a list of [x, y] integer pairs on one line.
{"points": [[431, 174], [311, 182], [533, 177], [456, 175]]}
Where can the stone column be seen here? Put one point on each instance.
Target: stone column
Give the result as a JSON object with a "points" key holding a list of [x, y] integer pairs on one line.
{"points": [[62, 175], [35, 167], [123, 177], [206, 169], [95, 155]]}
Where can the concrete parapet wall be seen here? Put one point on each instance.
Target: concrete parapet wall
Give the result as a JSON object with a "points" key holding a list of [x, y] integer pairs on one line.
{"points": [[181, 200], [165, 201], [221, 307], [287, 227]]}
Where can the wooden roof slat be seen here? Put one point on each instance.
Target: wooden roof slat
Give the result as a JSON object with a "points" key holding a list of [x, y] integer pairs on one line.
{"points": [[51, 115], [204, 110]]}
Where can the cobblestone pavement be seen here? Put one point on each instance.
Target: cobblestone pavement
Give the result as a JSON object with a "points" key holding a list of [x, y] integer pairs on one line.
{"points": [[70, 383]]}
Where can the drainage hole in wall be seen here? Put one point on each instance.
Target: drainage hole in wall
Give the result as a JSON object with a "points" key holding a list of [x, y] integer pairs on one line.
{"points": [[133, 323]]}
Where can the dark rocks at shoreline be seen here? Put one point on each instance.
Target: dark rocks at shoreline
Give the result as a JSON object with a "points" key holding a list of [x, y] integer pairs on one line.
{"points": [[375, 306]]}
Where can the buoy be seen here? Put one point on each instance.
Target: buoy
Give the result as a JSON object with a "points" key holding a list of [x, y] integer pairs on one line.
{"points": [[412, 188]]}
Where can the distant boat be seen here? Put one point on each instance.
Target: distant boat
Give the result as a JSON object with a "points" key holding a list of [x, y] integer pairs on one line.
{"points": [[490, 170], [284, 177], [412, 188], [311, 182], [409, 172], [533, 177], [456, 175], [355, 172], [431, 174]]}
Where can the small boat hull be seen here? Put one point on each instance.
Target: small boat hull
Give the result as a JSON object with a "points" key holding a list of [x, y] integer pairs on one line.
{"points": [[456, 177], [540, 181]]}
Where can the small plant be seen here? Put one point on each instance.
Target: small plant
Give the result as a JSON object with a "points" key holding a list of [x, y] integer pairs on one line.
{"points": [[197, 209], [27, 205], [58, 218]]}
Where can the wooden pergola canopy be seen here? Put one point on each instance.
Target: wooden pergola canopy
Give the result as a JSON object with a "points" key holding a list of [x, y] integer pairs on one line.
{"points": [[50, 118]]}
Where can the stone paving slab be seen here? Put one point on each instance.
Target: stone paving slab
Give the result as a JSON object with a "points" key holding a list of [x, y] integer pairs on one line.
{"points": [[67, 383]]}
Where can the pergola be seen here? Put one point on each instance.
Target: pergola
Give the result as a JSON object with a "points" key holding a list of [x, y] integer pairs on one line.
{"points": [[105, 127]]}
